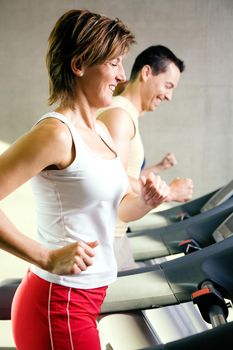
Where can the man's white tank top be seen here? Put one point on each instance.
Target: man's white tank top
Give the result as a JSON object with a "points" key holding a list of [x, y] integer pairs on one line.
{"points": [[80, 203]]}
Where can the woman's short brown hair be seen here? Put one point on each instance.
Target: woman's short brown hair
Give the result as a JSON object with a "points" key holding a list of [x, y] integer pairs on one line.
{"points": [[89, 37]]}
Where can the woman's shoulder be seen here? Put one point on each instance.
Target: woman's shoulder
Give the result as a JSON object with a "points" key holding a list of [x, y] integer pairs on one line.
{"points": [[51, 127], [54, 136]]}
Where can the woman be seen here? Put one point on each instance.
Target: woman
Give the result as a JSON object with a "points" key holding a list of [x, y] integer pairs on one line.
{"points": [[79, 184]]}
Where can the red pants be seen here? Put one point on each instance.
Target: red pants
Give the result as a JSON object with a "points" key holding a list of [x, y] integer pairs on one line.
{"points": [[47, 316]]}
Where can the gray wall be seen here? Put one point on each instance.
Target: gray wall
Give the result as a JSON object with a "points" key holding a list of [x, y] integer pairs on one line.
{"points": [[197, 125]]}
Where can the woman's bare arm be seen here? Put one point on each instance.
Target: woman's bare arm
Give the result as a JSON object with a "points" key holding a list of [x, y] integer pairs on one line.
{"points": [[48, 143]]}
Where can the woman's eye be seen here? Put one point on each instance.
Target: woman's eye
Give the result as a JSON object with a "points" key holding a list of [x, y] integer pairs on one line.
{"points": [[114, 64]]}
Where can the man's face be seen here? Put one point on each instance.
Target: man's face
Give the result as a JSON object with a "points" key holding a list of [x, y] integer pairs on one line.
{"points": [[160, 87]]}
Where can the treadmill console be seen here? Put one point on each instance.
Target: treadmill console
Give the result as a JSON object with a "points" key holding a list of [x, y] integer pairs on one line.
{"points": [[224, 230], [219, 197]]}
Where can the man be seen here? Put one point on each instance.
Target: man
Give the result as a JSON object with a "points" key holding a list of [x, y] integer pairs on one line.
{"points": [[155, 74]]}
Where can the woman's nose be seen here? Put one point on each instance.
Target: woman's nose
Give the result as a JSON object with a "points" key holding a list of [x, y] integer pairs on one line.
{"points": [[121, 74]]}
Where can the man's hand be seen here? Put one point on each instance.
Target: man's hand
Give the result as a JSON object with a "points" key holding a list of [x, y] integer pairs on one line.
{"points": [[181, 190], [168, 161]]}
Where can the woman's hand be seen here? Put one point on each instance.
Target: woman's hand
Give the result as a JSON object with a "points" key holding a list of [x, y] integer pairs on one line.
{"points": [[71, 259], [154, 191], [134, 206]]}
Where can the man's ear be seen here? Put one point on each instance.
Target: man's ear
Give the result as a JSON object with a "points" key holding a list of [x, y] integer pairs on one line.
{"points": [[145, 72], [76, 67]]}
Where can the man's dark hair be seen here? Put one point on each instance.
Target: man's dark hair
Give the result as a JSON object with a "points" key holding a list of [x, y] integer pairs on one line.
{"points": [[158, 57]]}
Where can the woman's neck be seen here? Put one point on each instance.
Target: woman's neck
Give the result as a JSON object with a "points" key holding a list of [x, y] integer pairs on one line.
{"points": [[80, 115]]}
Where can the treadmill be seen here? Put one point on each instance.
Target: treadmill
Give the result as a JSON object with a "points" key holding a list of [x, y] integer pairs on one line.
{"points": [[194, 232], [172, 284], [185, 210]]}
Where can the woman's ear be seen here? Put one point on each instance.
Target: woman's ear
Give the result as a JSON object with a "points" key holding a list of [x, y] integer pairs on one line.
{"points": [[76, 67], [145, 72]]}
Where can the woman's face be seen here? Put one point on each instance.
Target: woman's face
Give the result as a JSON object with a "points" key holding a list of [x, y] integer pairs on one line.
{"points": [[99, 81], [159, 88]]}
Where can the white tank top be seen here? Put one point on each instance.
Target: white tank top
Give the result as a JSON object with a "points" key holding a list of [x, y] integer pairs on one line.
{"points": [[80, 203]]}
